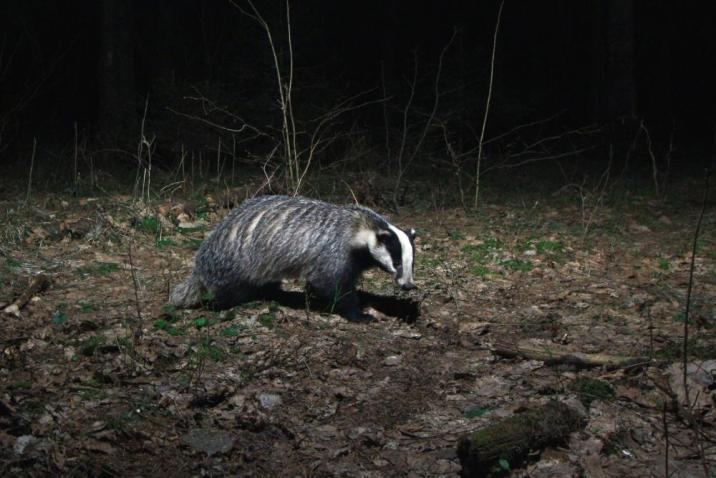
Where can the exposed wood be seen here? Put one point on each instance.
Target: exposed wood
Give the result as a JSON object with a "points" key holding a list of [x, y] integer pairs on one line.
{"points": [[512, 438], [38, 284], [555, 354]]}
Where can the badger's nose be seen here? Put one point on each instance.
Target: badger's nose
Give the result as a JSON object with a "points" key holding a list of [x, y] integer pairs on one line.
{"points": [[408, 286]]}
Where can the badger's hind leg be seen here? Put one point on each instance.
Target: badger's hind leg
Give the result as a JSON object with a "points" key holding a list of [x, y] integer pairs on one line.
{"points": [[232, 295], [188, 294], [268, 291]]}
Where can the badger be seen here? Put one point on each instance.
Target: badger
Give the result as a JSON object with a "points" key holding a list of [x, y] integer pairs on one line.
{"points": [[271, 238]]}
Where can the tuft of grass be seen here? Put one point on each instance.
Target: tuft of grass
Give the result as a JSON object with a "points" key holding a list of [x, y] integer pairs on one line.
{"points": [[476, 412], [86, 306], [90, 390], [549, 247], [480, 271], [169, 309], [267, 320], [430, 262], [517, 265], [664, 265], [227, 315], [208, 350], [590, 389], [191, 244], [167, 319], [60, 317], [148, 224], [176, 331], [165, 243], [232, 331], [482, 253], [189, 230], [456, 234], [208, 297], [201, 322], [99, 268], [13, 263]]}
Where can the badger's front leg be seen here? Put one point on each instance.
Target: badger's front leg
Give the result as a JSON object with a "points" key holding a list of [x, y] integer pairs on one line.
{"points": [[340, 297], [349, 306]]}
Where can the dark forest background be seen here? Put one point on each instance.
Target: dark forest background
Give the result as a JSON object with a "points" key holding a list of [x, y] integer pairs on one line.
{"points": [[578, 87]]}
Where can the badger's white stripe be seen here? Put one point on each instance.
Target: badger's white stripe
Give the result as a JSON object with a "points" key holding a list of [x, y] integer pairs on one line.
{"points": [[250, 230], [367, 238], [407, 255]]}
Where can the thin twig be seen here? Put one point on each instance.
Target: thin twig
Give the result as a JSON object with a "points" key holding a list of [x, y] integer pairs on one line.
{"points": [[522, 126], [32, 165], [385, 115], [487, 105], [654, 169], [666, 440], [685, 352], [135, 283], [75, 177]]}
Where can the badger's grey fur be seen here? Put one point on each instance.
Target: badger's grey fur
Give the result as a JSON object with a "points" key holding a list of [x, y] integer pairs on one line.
{"points": [[271, 238]]}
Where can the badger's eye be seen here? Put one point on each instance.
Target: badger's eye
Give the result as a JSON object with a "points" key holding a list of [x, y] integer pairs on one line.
{"points": [[396, 265]]}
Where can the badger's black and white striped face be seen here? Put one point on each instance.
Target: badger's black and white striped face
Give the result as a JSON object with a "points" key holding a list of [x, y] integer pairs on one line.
{"points": [[394, 250]]}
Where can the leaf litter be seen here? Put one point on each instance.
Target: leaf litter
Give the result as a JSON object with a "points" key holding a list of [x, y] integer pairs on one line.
{"points": [[98, 375]]}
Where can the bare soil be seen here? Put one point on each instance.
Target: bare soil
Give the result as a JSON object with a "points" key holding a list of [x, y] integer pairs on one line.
{"points": [[98, 377]]}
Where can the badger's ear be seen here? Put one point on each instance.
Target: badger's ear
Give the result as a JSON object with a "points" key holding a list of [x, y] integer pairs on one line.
{"points": [[383, 235], [412, 233]]}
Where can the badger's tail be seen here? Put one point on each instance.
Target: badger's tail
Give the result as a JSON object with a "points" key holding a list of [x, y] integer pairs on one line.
{"points": [[188, 294]]}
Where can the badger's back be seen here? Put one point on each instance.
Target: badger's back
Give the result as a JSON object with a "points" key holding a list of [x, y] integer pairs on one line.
{"points": [[274, 237]]}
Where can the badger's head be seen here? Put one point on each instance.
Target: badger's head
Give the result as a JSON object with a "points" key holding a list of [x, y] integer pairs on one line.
{"points": [[394, 251]]}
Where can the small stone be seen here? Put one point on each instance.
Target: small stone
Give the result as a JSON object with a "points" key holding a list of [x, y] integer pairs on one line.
{"points": [[269, 401], [209, 440], [22, 442], [392, 360]]}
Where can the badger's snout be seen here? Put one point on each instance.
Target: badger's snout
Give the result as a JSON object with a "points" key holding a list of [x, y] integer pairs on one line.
{"points": [[408, 286]]}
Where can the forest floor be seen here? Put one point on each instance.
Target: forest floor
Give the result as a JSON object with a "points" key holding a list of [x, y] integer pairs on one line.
{"points": [[98, 377]]}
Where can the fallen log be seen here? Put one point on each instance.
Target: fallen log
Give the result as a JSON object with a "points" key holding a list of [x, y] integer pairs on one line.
{"points": [[38, 284], [554, 355], [512, 438]]}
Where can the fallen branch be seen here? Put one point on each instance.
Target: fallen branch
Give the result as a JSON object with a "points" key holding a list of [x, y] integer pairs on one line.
{"points": [[555, 355], [37, 285], [512, 438]]}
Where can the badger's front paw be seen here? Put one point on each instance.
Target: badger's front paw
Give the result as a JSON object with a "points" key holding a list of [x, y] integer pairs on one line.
{"points": [[358, 316]]}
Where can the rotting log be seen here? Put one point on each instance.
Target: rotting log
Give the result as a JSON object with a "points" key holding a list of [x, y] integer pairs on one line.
{"points": [[512, 438], [555, 355], [38, 284]]}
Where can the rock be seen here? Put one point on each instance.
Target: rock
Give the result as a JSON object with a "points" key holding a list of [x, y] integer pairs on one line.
{"points": [[22, 442], [210, 441], [392, 360], [269, 401]]}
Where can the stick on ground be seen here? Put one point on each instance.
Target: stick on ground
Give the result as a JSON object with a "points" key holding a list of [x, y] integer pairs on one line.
{"points": [[38, 284], [557, 355]]}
